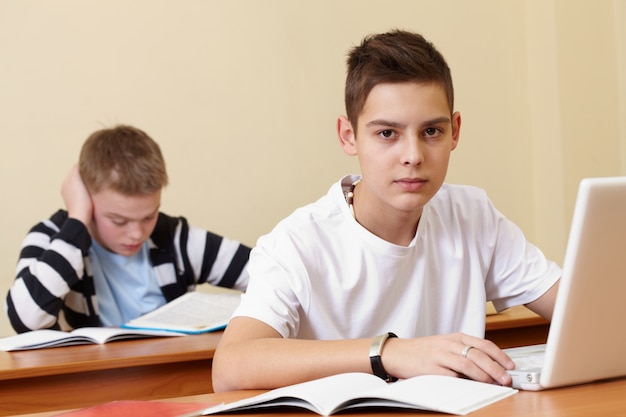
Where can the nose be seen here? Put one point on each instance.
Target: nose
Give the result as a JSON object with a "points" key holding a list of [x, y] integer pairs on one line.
{"points": [[135, 230], [412, 153]]}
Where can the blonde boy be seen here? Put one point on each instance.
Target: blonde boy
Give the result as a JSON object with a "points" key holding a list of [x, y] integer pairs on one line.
{"points": [[112, 256]]}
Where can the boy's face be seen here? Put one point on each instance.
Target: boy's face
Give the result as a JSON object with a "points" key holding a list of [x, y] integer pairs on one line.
{"points": [[121, 223], [405, 134]]}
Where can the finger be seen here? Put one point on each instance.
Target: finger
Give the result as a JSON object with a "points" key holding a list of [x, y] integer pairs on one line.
{"points": [[491, 350], [463, 363], [479, 366]]}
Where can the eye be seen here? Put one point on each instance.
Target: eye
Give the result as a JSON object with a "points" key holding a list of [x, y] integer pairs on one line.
{"points": [[386, 134], [118, 222], [432, 132]]}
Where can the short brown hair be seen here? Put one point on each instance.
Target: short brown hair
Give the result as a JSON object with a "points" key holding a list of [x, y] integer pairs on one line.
{"points": [[393, 57], [124, 159]]}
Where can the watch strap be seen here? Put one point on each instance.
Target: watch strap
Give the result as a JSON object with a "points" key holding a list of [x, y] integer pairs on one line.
{"points": [[376, 349]]}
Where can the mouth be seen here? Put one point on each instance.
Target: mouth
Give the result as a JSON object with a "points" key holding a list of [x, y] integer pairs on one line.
{"points": [[411, 184], [131, 247]]}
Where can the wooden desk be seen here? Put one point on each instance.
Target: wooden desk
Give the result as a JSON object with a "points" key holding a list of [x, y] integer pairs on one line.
{"points": [[517, 326], [597, 399], [151, 369], [80, 376]]}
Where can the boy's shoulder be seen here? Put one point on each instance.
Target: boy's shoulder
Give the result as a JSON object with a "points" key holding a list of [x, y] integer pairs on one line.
{"points": [[331, 206], [460, 200], [460, 192], [328, 211], [164, 232]]}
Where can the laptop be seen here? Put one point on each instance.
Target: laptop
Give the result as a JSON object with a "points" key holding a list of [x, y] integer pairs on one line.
{"points": [[587, 337]]}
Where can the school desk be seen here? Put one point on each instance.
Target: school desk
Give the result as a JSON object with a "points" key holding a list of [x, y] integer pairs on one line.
{"points": [[147, 369], [151, 369], [517, 326], [594, 399]]}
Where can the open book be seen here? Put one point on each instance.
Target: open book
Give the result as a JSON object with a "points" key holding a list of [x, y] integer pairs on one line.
{"points": [[194, 312], [330, 395], [191, 313], [45, 338]]}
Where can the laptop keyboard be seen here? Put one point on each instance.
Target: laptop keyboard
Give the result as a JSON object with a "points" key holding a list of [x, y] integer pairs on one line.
{"points": [[529, 362]]}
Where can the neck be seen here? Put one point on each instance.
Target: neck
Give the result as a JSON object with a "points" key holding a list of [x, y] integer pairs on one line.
{"points": [[382, 220]]}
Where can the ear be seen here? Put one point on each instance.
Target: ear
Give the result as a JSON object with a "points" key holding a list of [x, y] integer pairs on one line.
{"points": [[347, 138], [456, 129]]}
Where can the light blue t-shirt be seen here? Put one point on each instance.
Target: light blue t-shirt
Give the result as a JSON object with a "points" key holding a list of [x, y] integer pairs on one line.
{"points": [[126, 286]]}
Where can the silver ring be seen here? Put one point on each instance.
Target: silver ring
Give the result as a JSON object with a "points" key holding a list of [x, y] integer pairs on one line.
{"points": [[466, 350]]}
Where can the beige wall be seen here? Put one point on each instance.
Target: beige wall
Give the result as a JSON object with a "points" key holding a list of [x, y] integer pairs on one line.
{"points": [[243, 96]]}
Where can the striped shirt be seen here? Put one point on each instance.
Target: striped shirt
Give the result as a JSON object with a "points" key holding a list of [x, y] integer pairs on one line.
{"points": [[54, 285]]}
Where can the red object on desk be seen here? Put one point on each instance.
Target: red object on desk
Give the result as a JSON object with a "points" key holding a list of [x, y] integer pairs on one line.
{"points": [[137, 409]]}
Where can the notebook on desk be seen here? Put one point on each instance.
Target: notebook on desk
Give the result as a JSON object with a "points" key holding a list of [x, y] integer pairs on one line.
{"points": [[587, 337]]}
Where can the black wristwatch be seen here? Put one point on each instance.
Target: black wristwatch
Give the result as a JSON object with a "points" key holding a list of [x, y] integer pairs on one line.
{"points": [[376, 349]]}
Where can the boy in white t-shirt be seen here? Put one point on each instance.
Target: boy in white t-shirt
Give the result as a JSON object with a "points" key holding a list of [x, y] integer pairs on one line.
{"points": [[388, 273]]}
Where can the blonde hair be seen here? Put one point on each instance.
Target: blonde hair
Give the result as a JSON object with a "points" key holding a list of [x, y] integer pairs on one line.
{"points": [[124, 159]]}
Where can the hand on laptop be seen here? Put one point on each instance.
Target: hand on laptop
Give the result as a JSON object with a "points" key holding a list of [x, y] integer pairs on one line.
{"points": [[454, 354]]}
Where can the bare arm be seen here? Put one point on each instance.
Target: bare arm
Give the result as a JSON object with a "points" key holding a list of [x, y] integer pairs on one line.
{"points": [[252, 355], [544, 305]]}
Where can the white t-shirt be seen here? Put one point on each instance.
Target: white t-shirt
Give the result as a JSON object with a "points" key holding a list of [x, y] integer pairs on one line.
{"points": [[320, 275]]}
